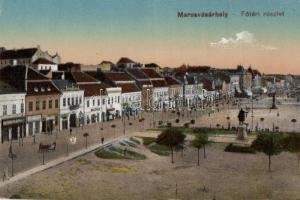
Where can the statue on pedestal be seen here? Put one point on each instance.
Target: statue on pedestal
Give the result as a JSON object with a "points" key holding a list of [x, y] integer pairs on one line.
{"points": [[242, 128], [274, 102]]}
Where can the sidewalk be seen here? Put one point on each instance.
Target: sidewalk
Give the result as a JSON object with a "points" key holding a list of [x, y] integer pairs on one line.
{"points": [[57, 161]]}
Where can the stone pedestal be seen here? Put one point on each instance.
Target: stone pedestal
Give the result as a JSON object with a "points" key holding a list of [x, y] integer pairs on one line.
{"points": [[242, 132]]}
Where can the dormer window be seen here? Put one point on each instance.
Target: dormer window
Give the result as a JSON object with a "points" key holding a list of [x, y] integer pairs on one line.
{"points": [[48, 89], [42, 89], [36, 89]]}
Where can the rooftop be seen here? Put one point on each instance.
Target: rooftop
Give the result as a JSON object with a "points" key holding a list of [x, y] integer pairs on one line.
{"points": [[18, 53], [43, 61], [125, 60], [128, 87], [93, 89], [137, 73], [151, 73], [159, 83], [80, 77], [172, 81]]}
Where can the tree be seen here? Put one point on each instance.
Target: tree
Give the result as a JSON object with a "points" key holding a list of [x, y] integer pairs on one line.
{"points": [[171, 137], [294, 122], [228, 119], [114, 127], [269, 143], [200, 141], [262, 119], [292, 144], [85, 135]]}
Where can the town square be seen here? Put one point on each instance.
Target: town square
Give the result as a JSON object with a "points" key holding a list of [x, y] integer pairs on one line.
{"points": [[181, 100]]}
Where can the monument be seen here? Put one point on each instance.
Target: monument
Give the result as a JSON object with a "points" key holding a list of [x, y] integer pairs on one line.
{"points": [[242, 127]]}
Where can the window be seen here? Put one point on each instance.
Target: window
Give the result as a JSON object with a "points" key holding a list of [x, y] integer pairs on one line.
{"points": [[118, 99], [30, 106], [93, 102], [50, 104], [56, 103], [80, 100], [4, 110], [98, 102], [44, 105], [108, 101], [103, 101], [37, 105], [72, 100], [76, 101], [88, 103], [14, 109], [68, 101], [22, 107], [64, 102]]}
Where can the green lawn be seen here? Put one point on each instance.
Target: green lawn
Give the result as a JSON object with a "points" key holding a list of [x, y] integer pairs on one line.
{"points": [[148, 140], [161, 150], [150, 143], [119, 153], [134, 140]]}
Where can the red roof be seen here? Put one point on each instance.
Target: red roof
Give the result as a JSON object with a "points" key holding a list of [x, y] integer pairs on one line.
{"points": [[137, 73], [124, 60], [159, 83], [41, 88], [43, 61], [147, 82], [207, 84], [93, 89], [151, 73], [80, 77], [128, 87], [172, 81], [118, 76]]}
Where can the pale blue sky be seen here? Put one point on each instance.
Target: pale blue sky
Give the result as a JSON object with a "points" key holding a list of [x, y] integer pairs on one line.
{"points": [[147, 30]]}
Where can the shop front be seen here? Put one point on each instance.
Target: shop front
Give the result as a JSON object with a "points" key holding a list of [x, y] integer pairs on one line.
{"points": [[12, 128], [48, 124]]}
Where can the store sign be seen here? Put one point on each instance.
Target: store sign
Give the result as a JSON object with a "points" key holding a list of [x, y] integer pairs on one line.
{"points": [[95, 109], [13, 121]]}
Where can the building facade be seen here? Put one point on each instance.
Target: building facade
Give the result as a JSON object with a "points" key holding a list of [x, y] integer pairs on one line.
{"points": [[12, 115]]}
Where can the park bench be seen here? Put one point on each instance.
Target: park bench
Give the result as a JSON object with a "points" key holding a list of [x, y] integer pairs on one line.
{"points": [[47, 147]]}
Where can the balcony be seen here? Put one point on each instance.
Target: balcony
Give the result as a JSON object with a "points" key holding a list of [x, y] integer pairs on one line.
{"points": [[74, 107]]}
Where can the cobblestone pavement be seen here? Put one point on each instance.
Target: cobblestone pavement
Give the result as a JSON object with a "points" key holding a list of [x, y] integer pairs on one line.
{"points": [[29, 157]]}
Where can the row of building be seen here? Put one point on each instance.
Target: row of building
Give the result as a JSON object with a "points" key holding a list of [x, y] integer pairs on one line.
{"points": [[38, 94]]}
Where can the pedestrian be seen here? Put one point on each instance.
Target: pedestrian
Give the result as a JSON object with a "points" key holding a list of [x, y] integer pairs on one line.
{"points": [[102, 140]]}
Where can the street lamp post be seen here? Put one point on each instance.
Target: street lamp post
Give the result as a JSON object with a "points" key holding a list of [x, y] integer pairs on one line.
{"points": [[12, 156], [85, 135], [101, 101]]}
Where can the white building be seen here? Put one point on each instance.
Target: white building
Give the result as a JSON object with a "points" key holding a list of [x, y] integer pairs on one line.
{"points": [[131, 95], [175, 92], [113, 103], [12, 113], [192, 91], [160, 89], [44, 64], [25, 56], [71, 105]]}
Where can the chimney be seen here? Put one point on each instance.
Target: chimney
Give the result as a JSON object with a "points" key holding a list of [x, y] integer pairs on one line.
{"points": [[26, 75]]}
